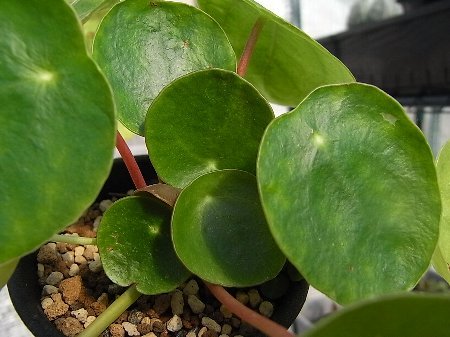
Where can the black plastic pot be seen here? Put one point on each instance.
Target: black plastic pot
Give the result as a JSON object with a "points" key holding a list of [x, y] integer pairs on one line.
{"points": [[25, 291]]}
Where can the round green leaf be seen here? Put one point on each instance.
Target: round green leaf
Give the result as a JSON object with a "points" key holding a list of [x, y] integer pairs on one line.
{"points": [[58, 126], [135, 246], [6, 270], [220, 233], [441, 257], [205, 121], [143, 45], [349, 189], [286, 64], [409, 315]]}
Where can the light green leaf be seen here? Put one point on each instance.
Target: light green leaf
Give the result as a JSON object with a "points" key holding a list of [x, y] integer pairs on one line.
{"points": [[143, 45], [441, 257], [220, 233], [286, 64], [135, 245], [203, 122], [418, 315], [341, 179], [85, 8], [6, 270], [58, 125]]}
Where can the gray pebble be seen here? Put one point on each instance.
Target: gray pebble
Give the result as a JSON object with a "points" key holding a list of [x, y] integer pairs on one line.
{"points": [[54, 278], [211, 324], [196, 305]]}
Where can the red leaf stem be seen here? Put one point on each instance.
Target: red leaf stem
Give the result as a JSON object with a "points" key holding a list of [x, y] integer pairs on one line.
{"points": [[250, 46], [130, 162], [265, 325]]}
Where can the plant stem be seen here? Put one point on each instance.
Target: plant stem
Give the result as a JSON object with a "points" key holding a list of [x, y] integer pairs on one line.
{"points": [[265, 325], [250, 46], [75, 240], [130, 162], [108, 316]]}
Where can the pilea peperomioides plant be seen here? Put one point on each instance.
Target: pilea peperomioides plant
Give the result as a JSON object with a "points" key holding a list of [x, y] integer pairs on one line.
{"points": [[344, 186]]}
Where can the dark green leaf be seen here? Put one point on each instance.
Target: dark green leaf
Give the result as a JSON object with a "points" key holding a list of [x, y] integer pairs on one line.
{"points": [[135, 246], [143, 45], [205, 121], [286, 64], [409, 315], [349, 189], [58, 126], [441, 258], [220, 233]]}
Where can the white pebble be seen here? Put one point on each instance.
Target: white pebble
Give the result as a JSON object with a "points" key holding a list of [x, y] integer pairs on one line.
{"points": [[191, 334], [224, 335], [177, 302], [49, 289], [196, 305], [96, 223], [96, 257], [131, 329], [54, 278], [40, 270], [46, 302], [211, 324], [105, 204], [191, 288], [146, 320], [174, 324], [254, 298], [81, 315], [95, 266], [68, 258], [79, 251], [89, 320], [266, 308], [74, 270], [202, 331], [80, 259]]}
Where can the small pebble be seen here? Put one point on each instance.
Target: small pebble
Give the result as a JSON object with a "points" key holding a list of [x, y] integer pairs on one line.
{"points": [[226, 329], [89, 320], [47, 254], [96, 266], [225, 312], [157, 325], [96, 223], [135, 317], [254, 298], [54, 278], [211, 324], [196, 305], [96, 257], [242, 297], [105, 204], [177, 302], [150, 334], [89, 252], [104, 299], [61, 247], [57, 308], [191, 288], [191, 333], [202, 331], [79, 250], [235, 322], [80, 259], [69, 326], [224, 335], [131, 329], [49, 289], [210, 333], [46, 302], [68, 258], [116, 330], [40, 270], [146, 320], [74, 270], [80, 314], [144, 328], [174, 324], [266, 308]]}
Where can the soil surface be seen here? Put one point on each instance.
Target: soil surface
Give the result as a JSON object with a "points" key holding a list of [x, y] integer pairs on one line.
{"points": [[75, 290]]}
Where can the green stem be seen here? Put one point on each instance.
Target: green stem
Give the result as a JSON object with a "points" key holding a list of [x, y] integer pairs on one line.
{"points": [[263, 324], [113, 312], [250, 46], [74, 240]]}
